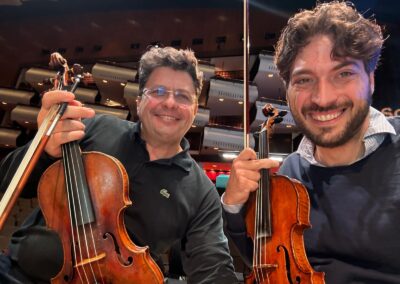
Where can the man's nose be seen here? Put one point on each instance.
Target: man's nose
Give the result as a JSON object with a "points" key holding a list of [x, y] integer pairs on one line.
{"points": [[170, 99], [324, 94]]}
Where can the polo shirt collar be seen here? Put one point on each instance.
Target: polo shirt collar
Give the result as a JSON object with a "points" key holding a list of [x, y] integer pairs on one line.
{"points": [[182, 159]]}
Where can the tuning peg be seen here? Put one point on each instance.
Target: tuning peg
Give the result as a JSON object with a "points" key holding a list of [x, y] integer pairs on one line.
{"points": [[282, 113], [77, 69], [278, 119]]}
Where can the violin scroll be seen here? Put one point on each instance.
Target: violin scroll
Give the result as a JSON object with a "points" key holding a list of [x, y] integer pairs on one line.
{"points": [[66, 75], [273, 115]]}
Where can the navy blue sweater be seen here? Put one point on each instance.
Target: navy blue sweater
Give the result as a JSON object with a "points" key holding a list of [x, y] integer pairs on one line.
{"points": [[355, 213]]}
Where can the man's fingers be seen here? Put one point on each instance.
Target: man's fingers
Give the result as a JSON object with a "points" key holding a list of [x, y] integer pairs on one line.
{"points": [[68, 125], [78, 112], [254, 165], [248, 159], [56, 97], [65, 137], [53, 146], [266, 164], [245, 175], [247, 154], [60, 138]]}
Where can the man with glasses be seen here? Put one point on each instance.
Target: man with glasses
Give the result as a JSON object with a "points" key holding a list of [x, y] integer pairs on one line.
{"points": [[174, 203]]}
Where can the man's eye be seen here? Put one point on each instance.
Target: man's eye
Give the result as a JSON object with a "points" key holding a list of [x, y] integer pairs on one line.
{"points": [[302, 81], [345, 74], [159, 92], [182, 97]]}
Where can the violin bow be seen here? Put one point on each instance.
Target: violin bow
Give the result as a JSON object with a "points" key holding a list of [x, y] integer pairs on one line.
{"points": [[34, 151], [246, 50]]}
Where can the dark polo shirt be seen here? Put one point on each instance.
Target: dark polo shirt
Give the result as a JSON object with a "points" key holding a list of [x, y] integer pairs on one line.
{"points": [[173, 202]]}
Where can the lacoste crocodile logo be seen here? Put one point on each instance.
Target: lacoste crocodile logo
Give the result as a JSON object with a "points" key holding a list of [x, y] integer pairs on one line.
{"points": [[164, 193]]}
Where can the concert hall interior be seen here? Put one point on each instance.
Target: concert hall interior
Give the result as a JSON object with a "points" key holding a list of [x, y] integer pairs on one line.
{"points": [[107, 37]]}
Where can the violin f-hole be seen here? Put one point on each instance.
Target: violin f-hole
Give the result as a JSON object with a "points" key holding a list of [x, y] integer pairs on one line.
{"points": [[129, 259]]}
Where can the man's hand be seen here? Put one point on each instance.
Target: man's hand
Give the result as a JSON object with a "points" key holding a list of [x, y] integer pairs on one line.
{"points": [[244, 177], [69, 128]]}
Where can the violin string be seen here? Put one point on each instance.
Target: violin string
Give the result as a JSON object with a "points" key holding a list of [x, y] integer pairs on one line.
{"points": [[261, 231], [262, 222], [264, 192], [78, 184], [71, 203], [77, 153], [71, 207], [62, 82], [261, 209], [257, 251]]}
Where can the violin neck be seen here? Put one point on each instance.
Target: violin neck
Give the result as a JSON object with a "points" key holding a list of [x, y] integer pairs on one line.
{"points": [[263, 207], [80, 203]]}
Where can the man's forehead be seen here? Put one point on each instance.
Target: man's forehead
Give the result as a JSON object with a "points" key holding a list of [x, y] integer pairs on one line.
{"points": [[301, 65], [320, 48], [171, 78]]}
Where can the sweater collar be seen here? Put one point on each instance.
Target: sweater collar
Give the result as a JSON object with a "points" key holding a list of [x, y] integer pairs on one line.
{"points": [[377, 130]]}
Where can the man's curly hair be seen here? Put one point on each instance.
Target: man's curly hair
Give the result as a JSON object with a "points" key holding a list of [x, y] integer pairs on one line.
{"points": [[352, 36]]}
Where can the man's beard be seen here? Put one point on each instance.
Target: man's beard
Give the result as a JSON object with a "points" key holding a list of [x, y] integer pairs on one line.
{"points": [[352, 127]]}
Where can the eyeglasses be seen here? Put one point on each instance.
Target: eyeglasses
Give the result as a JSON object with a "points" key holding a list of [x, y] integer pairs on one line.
{"points": [[181, 97]]}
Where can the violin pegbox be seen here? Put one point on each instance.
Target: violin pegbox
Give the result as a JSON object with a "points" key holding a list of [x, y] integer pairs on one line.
{"points": [[273, 115]]}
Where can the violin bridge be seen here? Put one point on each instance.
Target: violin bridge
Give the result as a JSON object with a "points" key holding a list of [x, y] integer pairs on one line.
{"points": [[266, 267], [90, 260]]}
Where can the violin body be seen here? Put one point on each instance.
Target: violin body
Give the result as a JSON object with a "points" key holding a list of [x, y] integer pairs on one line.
{"points": [[109, 256], [282, 256]]}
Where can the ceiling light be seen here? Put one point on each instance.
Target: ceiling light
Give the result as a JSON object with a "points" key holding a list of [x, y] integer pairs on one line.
{"points": [[276, 158], [229, 156]]}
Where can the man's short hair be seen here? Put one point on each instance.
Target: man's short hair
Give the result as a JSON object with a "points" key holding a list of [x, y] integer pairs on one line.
{"points": [[177, 59]]}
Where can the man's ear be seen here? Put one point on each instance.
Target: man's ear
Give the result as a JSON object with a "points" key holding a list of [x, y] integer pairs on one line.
{"points": [[196, 108], [287, 98], [138, 101], [372, 82]]}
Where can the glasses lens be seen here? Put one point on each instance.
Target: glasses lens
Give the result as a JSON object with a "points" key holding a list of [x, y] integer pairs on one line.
{"points": [[159, 93], [181, 97]]}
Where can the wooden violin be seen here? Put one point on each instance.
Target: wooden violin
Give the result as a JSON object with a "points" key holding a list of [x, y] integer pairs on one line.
{"points": [[278, 212], [276, 216], [82, 198]]}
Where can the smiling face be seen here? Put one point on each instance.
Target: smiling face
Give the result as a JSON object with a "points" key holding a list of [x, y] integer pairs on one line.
{"points": [[329, 98], [165, 122]]}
